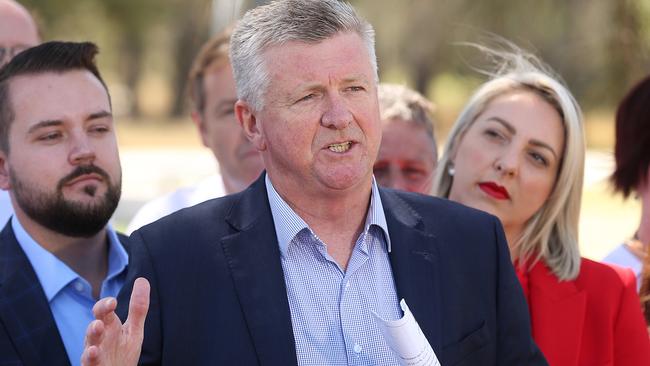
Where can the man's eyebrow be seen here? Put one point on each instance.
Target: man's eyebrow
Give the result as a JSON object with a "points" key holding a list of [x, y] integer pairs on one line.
{"points": [[45, 123], [355, 78], [58, 122], [98, 115]]}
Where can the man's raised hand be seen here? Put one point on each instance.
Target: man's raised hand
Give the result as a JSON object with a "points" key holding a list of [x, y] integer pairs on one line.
{"points": [[109, 342]]}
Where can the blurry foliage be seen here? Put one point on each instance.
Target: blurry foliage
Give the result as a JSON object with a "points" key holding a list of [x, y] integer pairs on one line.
{"points": [[600, 48]]}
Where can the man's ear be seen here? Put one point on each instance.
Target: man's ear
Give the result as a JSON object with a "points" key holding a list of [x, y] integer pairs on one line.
{"points": [[5, 182], [199, 121], [250, 124]]}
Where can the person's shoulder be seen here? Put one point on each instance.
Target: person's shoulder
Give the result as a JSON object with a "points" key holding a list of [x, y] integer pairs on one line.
{"points": [[194, 218], [162, 206], [605, 277], [434, 210]]}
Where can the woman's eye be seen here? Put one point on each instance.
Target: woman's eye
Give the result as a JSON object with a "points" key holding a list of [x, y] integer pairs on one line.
{"points": [[538, 158], [493, 134]]}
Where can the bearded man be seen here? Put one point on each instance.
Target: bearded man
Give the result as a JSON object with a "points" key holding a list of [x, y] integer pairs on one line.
{"points": [[60, 164]]}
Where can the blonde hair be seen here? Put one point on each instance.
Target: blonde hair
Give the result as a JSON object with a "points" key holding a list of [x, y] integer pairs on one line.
{"points": [[551, 233]]}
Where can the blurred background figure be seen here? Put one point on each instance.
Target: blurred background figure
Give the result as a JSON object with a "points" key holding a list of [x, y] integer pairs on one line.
{"points": [[517, 151], [408, 154], [631, 174], [18, 32], [212, 89]]}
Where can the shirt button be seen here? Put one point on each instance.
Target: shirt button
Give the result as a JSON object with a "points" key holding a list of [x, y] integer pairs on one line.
{"points": [[78, 286], [357, 348], [347, 285]]}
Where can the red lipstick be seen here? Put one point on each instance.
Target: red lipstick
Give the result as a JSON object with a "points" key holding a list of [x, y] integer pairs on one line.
{"points": [[494, 190]]}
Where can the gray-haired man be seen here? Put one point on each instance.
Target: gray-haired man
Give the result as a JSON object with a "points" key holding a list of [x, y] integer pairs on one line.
{"points": [[291, 270]]}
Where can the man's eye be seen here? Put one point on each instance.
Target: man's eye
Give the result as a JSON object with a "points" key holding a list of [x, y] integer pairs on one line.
{"points": [[226, 112], [307, 97], [50, 136], [99, 129], [413, 172], [356, 88]]}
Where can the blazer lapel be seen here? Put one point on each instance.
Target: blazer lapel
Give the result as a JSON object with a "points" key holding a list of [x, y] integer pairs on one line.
{"points": [[24, 310], [557, 315], [414, 259], [253, 257]]}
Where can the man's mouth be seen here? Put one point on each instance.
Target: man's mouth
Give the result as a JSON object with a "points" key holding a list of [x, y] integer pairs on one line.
{"points": [[84, 178], [340, 148]]}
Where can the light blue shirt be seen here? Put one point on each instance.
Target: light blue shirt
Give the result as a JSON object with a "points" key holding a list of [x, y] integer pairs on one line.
{"points": [[331, 308], [69, 295]]}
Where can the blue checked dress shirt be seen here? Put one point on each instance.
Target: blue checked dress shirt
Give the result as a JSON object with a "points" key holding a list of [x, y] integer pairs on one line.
{"points": [[330, 308], [69, 295]]}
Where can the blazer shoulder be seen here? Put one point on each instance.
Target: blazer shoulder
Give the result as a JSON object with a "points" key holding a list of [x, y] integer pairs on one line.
{"points": [[436, 211], [194, 217], [604, 277]]}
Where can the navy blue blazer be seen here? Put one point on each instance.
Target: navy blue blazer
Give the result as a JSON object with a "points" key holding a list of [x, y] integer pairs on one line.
{"points": [[28, 333], [218, 294]]}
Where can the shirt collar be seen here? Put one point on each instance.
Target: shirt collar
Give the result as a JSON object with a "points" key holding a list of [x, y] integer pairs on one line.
{"points": [[52, 273], [288, 224]]}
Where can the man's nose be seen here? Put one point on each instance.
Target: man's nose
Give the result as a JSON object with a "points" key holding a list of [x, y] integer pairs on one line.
{"points": [[396, 179], [337, 115], [81, 151]]}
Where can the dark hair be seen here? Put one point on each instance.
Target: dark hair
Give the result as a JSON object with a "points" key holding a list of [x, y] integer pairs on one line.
{"points": [[55, 57], [632, 150]]}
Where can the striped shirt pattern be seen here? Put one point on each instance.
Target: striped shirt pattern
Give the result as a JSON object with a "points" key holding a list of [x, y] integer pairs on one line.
{"points": [[331, 308]]}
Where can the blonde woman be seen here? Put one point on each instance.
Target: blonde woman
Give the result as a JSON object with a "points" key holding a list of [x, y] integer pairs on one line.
{"points": [[517, 151]]}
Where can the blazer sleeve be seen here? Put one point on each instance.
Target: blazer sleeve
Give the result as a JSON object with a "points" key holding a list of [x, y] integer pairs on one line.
{"points": [[140, 265], [631, 341], [515, 342]]}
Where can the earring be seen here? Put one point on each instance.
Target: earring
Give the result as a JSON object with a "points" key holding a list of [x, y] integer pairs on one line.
{"points": [[450, 169]]}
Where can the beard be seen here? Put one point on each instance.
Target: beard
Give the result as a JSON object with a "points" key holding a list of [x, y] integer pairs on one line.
{"points": [[76, 219]]}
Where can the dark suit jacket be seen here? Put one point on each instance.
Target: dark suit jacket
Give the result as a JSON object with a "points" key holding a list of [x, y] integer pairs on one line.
{"points": [[28, 333], [218, 294]]}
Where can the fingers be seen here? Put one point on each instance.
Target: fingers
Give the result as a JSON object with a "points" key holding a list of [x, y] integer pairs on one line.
{"points": [[104, 310], [94, 336], [139, 304], [90, 356], [94, 333]]}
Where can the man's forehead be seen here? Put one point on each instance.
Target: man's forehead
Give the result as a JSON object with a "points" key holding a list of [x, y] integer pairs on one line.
{"points": [[344, 53], [52, 94]]}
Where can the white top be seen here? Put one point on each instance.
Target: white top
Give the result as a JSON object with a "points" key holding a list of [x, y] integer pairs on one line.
{"points": [[623, 257], [6, 210], [208, 188]]}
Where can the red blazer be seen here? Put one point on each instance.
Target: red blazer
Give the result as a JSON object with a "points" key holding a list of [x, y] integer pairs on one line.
{"points": [[593, 320]]}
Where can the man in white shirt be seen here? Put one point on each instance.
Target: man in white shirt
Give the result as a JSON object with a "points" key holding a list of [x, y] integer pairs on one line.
{"points": [[212, 89]]}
